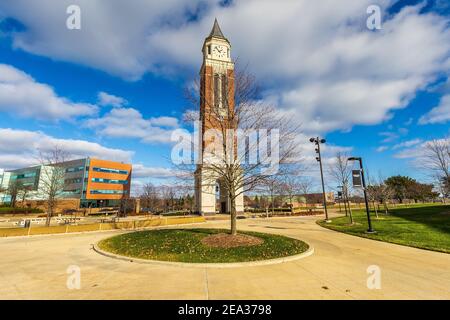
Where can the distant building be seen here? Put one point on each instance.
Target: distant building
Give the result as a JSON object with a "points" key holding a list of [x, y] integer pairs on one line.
{"points": [[96, 183]]}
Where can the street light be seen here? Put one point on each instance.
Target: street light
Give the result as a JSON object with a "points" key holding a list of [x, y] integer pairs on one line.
{"points": [[317, 141], [370, 230]]}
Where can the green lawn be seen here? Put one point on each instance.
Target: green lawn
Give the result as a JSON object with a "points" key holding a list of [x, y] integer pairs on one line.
{"points": [[184, 245], [426, 227]]}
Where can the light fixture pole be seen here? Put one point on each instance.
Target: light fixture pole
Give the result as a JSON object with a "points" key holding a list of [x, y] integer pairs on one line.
{"points": [[370, 230], [317, 141]]}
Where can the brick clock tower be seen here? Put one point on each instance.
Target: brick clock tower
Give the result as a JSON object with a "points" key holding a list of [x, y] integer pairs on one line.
{"points": [[216, 96]]}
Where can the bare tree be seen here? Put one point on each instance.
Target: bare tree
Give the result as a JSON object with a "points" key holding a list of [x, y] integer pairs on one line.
{"points": [[126, 205], [378, 190], [272, 187], [437, 161], [235, 117], [52, 177], [386, 194], [168, 197], [187, 192], [373, 191], [290, 187], [340, 171], [150, 197], [13, 190], [373, 194], [305, 186], [444, 188], [2, 192], [23, 193]]}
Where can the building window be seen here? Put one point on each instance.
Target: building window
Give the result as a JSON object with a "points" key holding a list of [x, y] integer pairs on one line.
{"points": [[76, 191], [109, 170], [114, 181], [24, 175], [108, 192], [217, 91], [224, 91], [71, 181], [209, 49], [220, 93], [74, 169]]}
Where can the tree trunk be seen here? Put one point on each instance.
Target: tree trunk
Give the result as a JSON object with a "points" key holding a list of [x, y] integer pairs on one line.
{"points": [[350, 215], [273, 204], [349, 208], [345, 208], [49, 214], [233, 216], [13, 201], [375, 208]]}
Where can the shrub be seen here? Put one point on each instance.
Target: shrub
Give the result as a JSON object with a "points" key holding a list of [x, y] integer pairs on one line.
{"points": [[10, 210]]}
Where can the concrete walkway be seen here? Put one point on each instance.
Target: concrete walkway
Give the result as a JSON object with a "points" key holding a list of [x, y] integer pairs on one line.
{"points": [[36, 268]]}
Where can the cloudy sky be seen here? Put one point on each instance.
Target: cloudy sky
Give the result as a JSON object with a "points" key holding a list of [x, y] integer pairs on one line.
{"points": [[114, 89]]}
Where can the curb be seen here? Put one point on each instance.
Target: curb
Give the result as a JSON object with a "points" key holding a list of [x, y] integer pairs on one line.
{"points": [[302, 255]]}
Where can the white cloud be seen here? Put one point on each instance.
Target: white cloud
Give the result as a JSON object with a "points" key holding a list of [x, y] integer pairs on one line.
{"points": [[106, 99], [439, 114], [389, 136], [382, 148], [315, 58], [417, 152], [21, 95], [129, 123], [401, 145], [142, 171], [326, 67], [164, 122], [407, 144], [113, 35], [20, 148], [143, 174]]}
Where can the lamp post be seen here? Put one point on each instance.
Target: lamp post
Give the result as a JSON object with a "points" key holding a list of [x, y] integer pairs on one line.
{"points": [[370, 230], [317, 141]]}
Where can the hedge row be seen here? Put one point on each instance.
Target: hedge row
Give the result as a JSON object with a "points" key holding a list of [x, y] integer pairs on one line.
{"points": [[10, 210]]}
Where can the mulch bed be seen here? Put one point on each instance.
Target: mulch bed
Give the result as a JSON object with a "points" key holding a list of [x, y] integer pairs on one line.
{"points": [[224, 240]]}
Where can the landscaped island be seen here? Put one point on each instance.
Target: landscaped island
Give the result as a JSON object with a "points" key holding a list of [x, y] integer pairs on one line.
{"points": [[425, 227], [202, 246]]}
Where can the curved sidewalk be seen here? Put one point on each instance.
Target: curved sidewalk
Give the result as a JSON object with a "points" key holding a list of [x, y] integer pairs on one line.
{"points": [[36, 268]]}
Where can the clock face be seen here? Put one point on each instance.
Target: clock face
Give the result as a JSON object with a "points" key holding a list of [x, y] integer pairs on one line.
{"points": [[220, 51]]}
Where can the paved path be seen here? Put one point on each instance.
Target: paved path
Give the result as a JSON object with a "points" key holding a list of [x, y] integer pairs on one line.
{"points": [[35, 268]]}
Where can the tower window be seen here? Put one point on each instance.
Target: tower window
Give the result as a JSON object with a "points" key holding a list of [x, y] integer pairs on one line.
{"points": [[209, 49], [216, 91], [224, 91]]}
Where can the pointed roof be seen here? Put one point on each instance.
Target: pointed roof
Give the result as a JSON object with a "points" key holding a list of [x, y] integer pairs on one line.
{"points": [[216, 32]]}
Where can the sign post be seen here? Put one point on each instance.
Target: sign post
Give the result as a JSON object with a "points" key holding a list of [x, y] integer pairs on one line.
{"points": [[359, 181]]}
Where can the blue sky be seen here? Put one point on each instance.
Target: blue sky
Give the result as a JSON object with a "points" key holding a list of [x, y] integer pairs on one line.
{"points": [[370, 93]]}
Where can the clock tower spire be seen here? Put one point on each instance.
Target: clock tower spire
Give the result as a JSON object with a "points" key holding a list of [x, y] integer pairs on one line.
{"points": [[216, 31], [216, 45]]}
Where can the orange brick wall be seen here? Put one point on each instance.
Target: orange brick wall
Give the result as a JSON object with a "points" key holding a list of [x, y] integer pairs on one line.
{"points": [[104, 175]]}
